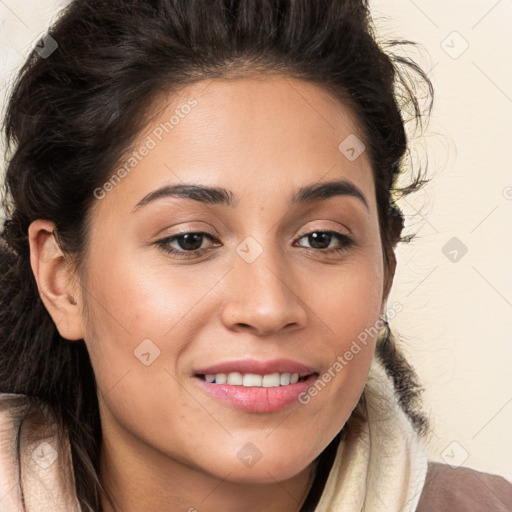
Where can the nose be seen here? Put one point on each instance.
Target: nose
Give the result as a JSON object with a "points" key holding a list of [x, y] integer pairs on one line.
{"points": [[263, 296]]}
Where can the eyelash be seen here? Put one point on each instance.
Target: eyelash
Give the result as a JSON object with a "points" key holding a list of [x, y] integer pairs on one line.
{"points": [[163, 244]]}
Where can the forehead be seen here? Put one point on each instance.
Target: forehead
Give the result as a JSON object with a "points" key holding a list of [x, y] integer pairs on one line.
{"points": [[288, 115], [260, 137]]}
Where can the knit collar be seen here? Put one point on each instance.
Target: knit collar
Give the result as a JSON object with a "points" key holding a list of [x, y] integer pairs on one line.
{"points": [[381, 463]]}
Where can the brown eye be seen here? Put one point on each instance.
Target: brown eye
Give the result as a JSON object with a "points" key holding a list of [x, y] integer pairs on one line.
{"points": [[186, 245], [321, 240]]}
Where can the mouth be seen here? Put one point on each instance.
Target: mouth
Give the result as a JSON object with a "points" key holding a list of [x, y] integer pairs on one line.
{"points": [[258, 387], [269, 380], [254, 367]]}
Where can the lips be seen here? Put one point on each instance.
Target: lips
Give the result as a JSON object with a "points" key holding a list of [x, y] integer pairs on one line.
{"points": [[297, 379], [256, 367]]}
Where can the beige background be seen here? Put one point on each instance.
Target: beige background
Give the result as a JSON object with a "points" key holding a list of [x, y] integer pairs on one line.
{"points": [[456, 316]]}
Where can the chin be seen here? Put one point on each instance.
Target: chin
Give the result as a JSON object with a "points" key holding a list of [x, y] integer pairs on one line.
{"points": [[262, 471]]}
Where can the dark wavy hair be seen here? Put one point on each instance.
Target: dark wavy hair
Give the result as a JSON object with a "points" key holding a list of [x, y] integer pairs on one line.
{"points": [[72, 117]]}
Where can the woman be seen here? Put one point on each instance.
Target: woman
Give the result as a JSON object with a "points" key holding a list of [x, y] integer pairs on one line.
{"points": [[197, 256]]}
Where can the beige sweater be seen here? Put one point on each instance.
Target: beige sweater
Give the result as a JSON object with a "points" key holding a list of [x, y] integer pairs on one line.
{"points": [[380, 466]]}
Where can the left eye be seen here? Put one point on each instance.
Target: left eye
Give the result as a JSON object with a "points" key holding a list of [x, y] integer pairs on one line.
{"points": [[316, 239], [191, 244]]}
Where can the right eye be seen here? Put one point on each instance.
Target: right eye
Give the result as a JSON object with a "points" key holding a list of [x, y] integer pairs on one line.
{"points": [[189, 244]]}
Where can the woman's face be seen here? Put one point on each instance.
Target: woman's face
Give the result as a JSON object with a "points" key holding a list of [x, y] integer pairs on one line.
{"points": [[263, 284]]}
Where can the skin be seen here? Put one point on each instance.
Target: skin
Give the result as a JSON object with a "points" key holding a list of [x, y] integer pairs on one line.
{"points": [[168, 445]]}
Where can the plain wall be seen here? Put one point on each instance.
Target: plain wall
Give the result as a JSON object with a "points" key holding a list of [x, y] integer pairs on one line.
{"points": [[457, 308], [457, 314]]}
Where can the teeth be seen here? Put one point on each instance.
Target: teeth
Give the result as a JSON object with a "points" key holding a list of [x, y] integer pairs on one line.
{"points": [[221, 378], [250, 380], [235, 379], [271, 381]]}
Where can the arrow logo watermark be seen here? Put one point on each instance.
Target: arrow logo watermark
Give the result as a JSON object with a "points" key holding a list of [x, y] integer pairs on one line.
{"points": [[45, 46], [146, 352], [249, 454], [45, 455], [454, 249], [352, 147]]}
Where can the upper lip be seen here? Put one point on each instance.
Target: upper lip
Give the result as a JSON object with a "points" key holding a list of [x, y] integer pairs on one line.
{"points": [[257, 367]]}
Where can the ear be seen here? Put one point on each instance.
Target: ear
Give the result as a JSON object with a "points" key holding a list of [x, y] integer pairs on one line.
{"points": [[389, 274], [57, 286], [394, 231]]}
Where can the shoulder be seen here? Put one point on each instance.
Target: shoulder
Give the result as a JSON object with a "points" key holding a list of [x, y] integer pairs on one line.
{"points": [[449, 489], [36, 469], [11, 409]]}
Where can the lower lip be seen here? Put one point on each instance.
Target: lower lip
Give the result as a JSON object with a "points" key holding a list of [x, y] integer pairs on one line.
{"points": [[256, 399]]}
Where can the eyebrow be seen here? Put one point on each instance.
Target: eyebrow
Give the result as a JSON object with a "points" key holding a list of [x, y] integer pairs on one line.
{"points": [[223, 197]]}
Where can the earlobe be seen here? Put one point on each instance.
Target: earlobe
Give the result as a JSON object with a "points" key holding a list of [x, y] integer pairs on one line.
{"points": [[55, 282]]}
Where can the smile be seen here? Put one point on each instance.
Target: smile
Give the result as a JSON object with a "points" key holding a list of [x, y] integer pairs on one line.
{"points": [[271, 380], [255, 397]]}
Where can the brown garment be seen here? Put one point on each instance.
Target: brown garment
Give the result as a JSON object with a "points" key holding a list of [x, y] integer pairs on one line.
{"points": [[463, 489]]}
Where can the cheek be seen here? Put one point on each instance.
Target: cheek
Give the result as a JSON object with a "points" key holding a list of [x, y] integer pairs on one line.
{"points": [[144, 315], [348, 308], [350, 298]]}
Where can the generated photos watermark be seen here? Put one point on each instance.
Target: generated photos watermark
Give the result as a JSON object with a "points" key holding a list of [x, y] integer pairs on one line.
{"points": [[150, 143], [343, 360]]}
